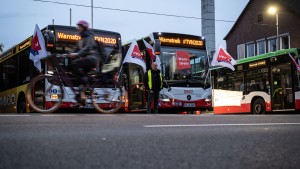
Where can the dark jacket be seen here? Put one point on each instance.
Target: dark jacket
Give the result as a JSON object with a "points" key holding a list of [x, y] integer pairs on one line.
{"points": [[153, 80], [86, 46]]}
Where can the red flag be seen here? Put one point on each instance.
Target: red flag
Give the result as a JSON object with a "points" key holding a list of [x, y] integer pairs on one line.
{"points": [[153, 57], [38, 48], [136, 52], [35, 45], [295, 63], [222, 58], [134, 55], [150, 50]]}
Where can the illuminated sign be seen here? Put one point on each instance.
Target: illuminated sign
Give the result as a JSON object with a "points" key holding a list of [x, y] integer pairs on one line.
{"points": [[62, 36], [24, 45], [68, 37], [170, 40], [106, 40], [192, 42], [257, 64], [182, 41]]}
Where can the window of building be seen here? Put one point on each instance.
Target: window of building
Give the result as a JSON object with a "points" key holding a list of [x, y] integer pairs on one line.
{"points": [[260, 17], [285, 42], [261, 47], [250, 49], [241, 51], [272, 44]]}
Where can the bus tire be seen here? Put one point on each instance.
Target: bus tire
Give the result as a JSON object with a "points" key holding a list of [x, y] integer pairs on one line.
{"points": [[259, 106], [21, 104]]}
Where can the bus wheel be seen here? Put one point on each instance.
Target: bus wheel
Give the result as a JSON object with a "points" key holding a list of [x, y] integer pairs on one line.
{"points": [[258, 106], [21, 107]]}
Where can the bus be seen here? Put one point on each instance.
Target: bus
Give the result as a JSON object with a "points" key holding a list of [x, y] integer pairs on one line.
{"points": [[183, 61], [17, 69], [264, 83]]}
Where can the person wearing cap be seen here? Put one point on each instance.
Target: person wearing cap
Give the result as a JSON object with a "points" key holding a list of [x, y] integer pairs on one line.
{"points": [[153, 84]]}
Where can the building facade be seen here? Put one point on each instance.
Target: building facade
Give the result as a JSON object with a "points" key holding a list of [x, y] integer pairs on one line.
{"points": [[255, 31]]}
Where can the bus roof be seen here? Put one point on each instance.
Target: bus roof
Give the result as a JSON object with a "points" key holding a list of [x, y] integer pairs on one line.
{"points": [[293, 51], [75, 28], [268, 55]]}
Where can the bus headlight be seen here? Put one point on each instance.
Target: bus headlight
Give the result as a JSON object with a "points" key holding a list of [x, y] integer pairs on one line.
{"points": [[208, 99], [164, 98], [122, 98]]}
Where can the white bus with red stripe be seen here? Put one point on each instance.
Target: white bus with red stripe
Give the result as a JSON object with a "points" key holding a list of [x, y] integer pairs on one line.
{"points": [[183, 62], [259, 84]]}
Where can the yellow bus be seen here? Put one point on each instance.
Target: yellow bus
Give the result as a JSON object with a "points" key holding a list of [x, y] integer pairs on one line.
{"points": [[17, 69]]}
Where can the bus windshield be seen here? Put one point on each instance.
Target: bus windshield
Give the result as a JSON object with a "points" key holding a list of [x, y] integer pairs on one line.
{"points": [[70, 47], [182, 63]]}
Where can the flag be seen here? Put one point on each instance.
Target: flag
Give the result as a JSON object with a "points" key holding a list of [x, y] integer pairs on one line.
{"points": [[295, 63], [38, 48], [222, 58], [153, 57], [134, 55]]}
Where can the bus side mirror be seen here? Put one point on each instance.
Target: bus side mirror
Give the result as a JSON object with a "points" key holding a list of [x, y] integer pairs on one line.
{"points": [[49, 39], [157, 46]]}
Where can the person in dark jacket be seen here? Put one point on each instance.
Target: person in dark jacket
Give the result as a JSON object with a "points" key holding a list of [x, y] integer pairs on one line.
{"points": [[86, 53], [86, 57], [153, 84]]}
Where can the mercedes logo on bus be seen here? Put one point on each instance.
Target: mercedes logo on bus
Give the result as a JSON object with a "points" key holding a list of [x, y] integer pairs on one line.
{"points": [[189, 97]]}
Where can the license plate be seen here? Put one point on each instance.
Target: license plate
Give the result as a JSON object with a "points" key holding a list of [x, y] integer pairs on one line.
{"points": [[189, 105]]}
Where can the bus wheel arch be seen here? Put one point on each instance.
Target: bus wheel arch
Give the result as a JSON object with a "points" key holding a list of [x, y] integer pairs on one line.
{"points": [[21, 103], [258, 105]]}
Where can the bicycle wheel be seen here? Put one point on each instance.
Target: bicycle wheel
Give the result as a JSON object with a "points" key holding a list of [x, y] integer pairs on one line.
{"points": [[108, 100], [45, 94]]}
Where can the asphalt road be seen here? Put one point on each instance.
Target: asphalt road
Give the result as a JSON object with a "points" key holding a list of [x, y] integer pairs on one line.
{"points": [[141, 141]]}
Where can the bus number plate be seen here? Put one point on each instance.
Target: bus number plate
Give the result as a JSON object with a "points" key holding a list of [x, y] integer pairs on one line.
{"points": [[189, 105]]}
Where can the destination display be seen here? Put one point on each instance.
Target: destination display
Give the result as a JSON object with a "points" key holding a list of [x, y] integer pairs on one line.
{"points": [[181, 40], [73, 37]]}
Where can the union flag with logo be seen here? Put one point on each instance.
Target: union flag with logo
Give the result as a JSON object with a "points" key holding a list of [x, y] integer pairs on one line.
{"points": [[38, 48], [134, 55], [152, 55], [222, 58]]}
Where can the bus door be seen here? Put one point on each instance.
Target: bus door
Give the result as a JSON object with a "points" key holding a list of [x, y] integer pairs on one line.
{"points": [[136, 89], [282, 93]]}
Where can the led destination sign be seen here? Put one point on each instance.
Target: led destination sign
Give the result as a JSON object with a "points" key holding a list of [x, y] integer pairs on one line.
{"points": [[63, 36], [257, 64], [182, 41]]}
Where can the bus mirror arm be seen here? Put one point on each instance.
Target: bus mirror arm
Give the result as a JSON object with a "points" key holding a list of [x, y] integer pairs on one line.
{"points": [[164, 79]]}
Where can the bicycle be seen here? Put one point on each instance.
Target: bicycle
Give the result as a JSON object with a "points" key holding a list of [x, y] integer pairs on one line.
{"points": [[45, 92]]}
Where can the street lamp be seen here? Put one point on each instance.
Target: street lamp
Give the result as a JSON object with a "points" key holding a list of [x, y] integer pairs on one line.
{"points": [[273, 10]]}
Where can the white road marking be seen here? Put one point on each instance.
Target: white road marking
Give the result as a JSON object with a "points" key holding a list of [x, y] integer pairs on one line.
{"points": [[58, 115], [100, 115], [13, 115], [220, 125]]}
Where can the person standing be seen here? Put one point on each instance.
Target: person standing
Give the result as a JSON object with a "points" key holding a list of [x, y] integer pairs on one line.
{"points": [[153, 84]]}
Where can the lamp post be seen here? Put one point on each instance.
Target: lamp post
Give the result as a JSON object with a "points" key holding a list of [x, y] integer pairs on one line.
{"points": [[273, 10]]}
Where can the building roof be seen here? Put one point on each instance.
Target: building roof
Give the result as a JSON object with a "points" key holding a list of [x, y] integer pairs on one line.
{"points": [[292, 5]]}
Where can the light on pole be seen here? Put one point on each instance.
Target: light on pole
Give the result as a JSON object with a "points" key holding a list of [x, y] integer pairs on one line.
{"points": [[273, 10]]}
